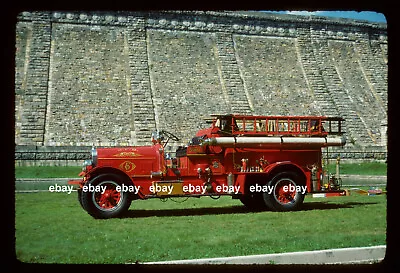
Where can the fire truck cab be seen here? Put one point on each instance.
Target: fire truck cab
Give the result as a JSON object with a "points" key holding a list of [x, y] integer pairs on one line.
{"points": [[268, 162]]}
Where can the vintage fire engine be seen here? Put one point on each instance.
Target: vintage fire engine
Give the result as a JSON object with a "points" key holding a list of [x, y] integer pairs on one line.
{"points": [[268, 162]]}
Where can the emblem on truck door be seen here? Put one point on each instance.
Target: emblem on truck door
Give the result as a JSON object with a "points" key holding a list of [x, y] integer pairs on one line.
{"points": [[127, 166]]}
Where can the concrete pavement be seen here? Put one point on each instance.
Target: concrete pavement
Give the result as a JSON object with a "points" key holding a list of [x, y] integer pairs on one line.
{"points": [[353, 255]]}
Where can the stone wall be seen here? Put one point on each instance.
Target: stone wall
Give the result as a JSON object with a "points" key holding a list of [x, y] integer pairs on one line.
{"points": [[102, 78], [89, 99]]}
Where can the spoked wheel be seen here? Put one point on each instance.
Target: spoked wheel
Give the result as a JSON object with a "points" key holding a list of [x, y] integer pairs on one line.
{"points": [[284, 196], [102, 199], [108, 200]]}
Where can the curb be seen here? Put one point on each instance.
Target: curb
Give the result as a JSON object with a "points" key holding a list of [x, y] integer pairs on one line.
{"points": [[353, 255]]}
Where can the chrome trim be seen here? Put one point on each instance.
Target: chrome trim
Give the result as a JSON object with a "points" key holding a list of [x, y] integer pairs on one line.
{"points": [[156, 174], [94, 157]]}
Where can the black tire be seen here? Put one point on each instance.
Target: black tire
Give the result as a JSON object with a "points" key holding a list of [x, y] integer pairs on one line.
{"points": [[108, 204], [253, 201], [80, 197], [280, 200]]}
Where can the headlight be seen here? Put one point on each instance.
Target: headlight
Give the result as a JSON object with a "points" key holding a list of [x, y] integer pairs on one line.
{"points": [[86, 163], [90, 162]]}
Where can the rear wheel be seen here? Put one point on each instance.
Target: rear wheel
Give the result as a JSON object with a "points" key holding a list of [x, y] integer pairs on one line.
{"points": [[284, 196], [102, 199]]}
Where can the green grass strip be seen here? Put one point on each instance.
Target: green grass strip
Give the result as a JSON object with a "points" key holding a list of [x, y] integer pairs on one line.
{"points": [[365, 168], [47, 171]]}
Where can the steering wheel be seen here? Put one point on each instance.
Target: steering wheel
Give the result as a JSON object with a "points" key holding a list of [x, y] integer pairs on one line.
{"points": [[169, 136]]}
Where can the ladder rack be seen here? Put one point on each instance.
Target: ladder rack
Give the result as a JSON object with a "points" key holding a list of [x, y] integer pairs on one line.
{"points": [[241, 125]]}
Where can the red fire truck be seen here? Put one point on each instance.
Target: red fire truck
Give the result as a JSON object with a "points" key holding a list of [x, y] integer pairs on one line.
{"points": [[268, 162]]}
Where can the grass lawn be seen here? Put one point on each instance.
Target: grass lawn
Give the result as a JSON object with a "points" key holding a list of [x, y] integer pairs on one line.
{"points": [[53, 228], [365, 168], [47, 171]]}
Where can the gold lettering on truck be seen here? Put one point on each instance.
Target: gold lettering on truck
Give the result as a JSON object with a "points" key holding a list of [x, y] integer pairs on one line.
{"points": [[127, 154]]}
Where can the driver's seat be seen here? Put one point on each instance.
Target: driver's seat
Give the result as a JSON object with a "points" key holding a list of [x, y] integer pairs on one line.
{"points": [[181, 151]]}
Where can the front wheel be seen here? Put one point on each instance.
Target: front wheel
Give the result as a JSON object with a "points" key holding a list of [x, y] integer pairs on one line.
{"points": [[286, 195], [102, 199]]}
